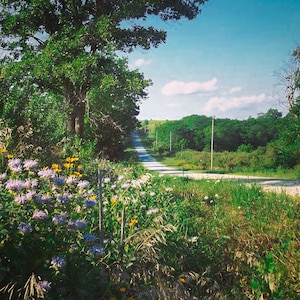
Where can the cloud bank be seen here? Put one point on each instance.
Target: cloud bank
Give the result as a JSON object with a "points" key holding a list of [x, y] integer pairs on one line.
{"points": [[142, 62], [187, 88]]}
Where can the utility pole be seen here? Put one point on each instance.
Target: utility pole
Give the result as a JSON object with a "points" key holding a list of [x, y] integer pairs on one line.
{"points": [[212, 143]]}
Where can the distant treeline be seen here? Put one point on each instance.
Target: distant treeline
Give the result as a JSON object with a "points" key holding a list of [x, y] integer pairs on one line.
{"points": [[270, 130]]}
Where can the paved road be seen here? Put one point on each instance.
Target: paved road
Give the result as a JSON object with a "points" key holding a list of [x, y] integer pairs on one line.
{"points": [[291, 187]]}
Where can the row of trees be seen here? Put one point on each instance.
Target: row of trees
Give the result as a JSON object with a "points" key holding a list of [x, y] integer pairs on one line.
{"points": [[194, 132], [63, 73]]}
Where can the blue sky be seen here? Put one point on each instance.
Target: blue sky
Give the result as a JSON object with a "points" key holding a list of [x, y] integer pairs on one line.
{"points": [[225, 63]]}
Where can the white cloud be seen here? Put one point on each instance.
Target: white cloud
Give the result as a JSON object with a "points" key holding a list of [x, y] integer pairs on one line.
{"points": [[226, 103], [142, 62], [186, 88], [235, 89]]}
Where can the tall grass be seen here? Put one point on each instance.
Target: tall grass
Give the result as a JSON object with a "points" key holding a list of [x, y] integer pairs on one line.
{"points": [[164, 237]]}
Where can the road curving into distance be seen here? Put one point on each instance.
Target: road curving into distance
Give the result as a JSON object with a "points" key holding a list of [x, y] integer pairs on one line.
{"points": [[288, 186]]}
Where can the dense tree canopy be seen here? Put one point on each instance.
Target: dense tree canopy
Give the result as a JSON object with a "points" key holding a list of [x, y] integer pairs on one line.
{"points": [[68, 48]]}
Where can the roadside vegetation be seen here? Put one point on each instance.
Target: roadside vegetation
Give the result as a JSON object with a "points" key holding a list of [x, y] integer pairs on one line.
{"points": [[81, 219], [266, 145]]}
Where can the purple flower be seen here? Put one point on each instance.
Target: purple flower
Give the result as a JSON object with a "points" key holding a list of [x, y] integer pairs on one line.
{"points": [[14, 162], [80, 224], [58, 262], [71, 180], [59, 181], [39, 215], [96, 250], [30, 195], [25, 228], [46, 173], [82, 184], [90, 238], [31, 183], [15, 185], [21, 199], [3, 176], [89, 203], [60, 219], [45, 285], [62, 198], [29, 164]]}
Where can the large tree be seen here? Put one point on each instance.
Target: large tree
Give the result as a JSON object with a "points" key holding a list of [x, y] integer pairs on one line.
{"points": [[66, 46]]}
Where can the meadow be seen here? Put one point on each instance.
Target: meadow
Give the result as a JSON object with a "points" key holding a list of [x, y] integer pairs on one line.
{"points": [[116, 231]]}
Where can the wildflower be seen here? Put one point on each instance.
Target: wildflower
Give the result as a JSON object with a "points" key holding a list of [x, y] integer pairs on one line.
{"points": [[39, 215], [89, 203], [58, 262], [14, 162], [122, 289], [129, 298], [60, 219], [21, 199], [62, 199], [152, 194], [112, 298], [133, 222], [42, 199], [96, 250], [3, 176], [9, 156], [82, 184], [205, 197], [68, 165], [88, 237], [72, 159], [113, 200], [15, 185], [45, 285], [30, 164], [59, 181], [16, 169], [46, 173], [2, 150], [25, 228], [152, 211], [80, 224], [71, 180], [182, 279], [76, 174], [169, 189], [121, 177], [125, 186], [106, 179]]}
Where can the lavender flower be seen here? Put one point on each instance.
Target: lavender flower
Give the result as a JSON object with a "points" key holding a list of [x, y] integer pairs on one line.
{"points": [[42, 198], [39, 215], [63, 199], [21, 199], [25, 228], [58, 262], [96, 250], [60, 219], [15, 185], [31, 183], [80, 224], [3, 176], [14, 162], [46, 173], [45, 285], [30, 164], [71, 180], [125, 186], [90, 238], [30, 195], [82, 184]]}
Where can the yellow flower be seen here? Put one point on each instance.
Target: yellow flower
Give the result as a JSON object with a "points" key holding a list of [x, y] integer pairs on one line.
{"points": [[2, 150], [9, 156], [93, 197], [79, 167], [68, 165], [77, 174], [113, 200], [133, 222], [182, 279], [122, 289], [71, 159]]}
